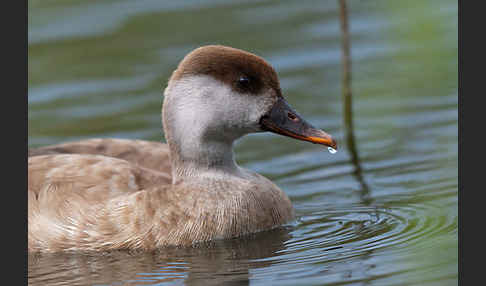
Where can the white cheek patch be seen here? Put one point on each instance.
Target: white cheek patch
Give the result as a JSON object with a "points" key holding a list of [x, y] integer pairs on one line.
{"points": [[202, 118], [203, 103]]}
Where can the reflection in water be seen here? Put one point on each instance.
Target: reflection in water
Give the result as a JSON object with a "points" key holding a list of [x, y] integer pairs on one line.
{"points": [[348, 101], [221, 262]]}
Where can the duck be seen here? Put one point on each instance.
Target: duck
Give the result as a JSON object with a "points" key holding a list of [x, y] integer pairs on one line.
{"points": [[107, 194]]}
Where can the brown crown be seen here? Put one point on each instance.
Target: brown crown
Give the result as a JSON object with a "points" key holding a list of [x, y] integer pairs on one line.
{"points": [[228, 65]]}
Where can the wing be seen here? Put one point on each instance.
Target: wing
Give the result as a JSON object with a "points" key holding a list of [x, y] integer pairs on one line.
{"points": [[96, 178], [68, 194], [148, 154]]}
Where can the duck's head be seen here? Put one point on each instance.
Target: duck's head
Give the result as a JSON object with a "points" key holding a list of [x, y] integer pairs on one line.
{"points": [[218, 94]]}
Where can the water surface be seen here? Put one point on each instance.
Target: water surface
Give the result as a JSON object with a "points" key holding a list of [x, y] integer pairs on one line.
{"points": [[97, 69]]}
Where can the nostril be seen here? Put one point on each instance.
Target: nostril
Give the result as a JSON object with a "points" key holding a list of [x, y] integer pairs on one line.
{"points": [[264, 117], [292, 116]]}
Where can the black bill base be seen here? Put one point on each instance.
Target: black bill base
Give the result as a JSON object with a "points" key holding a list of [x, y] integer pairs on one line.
{"points": [[283, 120]]}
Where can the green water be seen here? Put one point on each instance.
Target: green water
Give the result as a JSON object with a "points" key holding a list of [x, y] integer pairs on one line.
{"points": [[97, 69]]}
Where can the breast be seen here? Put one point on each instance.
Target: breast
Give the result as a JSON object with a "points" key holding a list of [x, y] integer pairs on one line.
{"points": [[228, 209]]}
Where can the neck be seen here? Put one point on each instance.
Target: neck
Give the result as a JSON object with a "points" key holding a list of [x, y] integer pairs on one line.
{"points": [[200, 127], [192, 159], [194, 151]]}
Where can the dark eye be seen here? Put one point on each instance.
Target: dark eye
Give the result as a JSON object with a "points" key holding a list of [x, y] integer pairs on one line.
{"points": [[243, 81], [248, 84]]}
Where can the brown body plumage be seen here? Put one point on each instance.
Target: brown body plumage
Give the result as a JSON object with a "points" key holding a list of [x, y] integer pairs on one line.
{"points": [[104, 194]]}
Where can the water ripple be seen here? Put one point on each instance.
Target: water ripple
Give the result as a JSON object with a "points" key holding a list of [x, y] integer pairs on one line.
{"points": [[338, 233]]}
